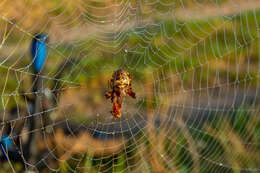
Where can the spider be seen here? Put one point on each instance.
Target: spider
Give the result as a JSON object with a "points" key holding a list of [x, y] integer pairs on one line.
{"points": [[121, 85]]}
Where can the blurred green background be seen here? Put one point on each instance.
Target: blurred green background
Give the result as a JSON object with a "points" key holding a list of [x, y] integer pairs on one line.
{"points": [[195, 67]]}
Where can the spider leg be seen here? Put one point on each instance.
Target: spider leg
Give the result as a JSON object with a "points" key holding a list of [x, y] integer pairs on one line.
{"points": [[108, 83], [108, 95], [113, 97], [131, 93]]}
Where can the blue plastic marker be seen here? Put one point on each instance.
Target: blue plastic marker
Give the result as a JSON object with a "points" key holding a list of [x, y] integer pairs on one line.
{"points": [[39, 51], [5, 143]]}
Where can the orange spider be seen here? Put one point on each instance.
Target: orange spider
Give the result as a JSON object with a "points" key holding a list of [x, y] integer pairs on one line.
{"points": [[121, 84]]}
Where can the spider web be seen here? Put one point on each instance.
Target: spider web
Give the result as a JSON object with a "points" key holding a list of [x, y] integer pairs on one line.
{"points": [[195, 68]]}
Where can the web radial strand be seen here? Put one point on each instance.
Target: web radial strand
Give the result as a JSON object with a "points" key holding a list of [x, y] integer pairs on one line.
{"points": [[194, 66]]}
